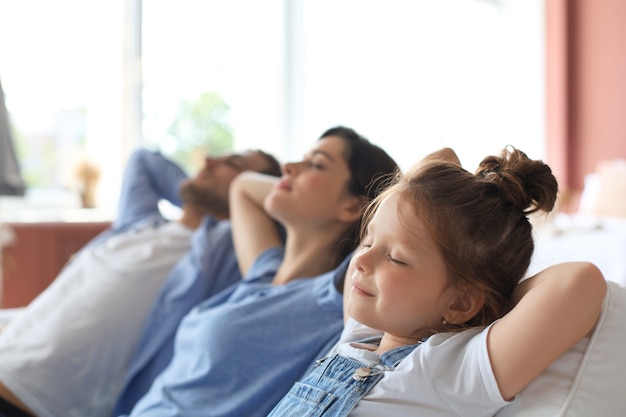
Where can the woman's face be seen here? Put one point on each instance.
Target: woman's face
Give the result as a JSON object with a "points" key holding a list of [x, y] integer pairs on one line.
{"points": [[313, 191], [399, 279]]}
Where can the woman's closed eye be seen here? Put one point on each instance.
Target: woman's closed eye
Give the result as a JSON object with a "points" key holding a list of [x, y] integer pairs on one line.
{"points": [[317, 161], [316, 165]]}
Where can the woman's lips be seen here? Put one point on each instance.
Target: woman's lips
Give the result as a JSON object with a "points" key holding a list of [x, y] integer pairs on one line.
{"points": [[283, 185]]}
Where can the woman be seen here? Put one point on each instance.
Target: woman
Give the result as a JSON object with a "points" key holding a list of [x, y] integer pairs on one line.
{"points": [[441, 256], [238, 353]]}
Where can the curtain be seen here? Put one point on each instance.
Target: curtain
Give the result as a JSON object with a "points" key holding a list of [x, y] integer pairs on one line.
{"points": [[11, 182]]}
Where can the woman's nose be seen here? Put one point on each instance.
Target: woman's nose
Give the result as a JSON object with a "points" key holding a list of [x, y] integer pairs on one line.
{"points": [[290, 168]]}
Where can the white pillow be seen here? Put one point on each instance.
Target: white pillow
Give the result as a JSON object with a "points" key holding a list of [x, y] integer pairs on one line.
{"points": [[589, 195], [610, 199], [589, 379]]}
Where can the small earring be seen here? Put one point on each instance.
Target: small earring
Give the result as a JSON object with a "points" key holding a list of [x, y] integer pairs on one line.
{"points": [[445, 323]]}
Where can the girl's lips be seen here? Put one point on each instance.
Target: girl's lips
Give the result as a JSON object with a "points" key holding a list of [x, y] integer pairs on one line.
{"points": [[359, 290]]}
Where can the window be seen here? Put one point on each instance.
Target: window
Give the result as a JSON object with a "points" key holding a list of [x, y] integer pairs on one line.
{"points": [[230, 51], [61, 70], [412, 75], [417, 75]]}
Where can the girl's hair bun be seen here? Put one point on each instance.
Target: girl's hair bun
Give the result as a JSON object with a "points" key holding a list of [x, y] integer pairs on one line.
{"points": [[527, 184]]}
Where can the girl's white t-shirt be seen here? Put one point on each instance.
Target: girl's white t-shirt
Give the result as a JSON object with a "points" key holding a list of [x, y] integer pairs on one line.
{"points": [[448, 375]]}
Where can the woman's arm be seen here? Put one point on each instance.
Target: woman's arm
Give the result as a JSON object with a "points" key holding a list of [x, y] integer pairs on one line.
{"points": [[253, 230], [552, 311]]}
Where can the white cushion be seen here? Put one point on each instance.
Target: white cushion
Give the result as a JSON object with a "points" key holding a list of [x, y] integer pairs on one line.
{"points": [[610, 198], [589, 379]]}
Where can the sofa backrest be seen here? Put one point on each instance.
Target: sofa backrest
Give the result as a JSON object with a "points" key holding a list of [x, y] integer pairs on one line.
{"points": [[590, 378]]}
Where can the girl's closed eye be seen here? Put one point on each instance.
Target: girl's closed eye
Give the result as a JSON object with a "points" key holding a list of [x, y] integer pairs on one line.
{"points": [[395, 260], [366, 245]]}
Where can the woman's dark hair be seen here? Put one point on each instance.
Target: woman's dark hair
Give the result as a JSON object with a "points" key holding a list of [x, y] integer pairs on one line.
{"points": [[480, 221], [371, 170]]}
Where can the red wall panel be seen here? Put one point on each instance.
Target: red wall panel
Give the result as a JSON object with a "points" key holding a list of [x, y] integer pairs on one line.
{"points": [[37, 255]]}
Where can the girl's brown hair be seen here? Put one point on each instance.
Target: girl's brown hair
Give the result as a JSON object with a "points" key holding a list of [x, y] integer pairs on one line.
{"points": [[480, 221]]}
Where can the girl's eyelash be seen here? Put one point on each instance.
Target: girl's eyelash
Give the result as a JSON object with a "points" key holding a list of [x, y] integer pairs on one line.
{"points": [[389, 257], [395, 261]]}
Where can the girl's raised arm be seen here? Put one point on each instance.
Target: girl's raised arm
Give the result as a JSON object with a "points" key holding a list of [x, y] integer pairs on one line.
{"points": [[552, 311], [253, 230]]}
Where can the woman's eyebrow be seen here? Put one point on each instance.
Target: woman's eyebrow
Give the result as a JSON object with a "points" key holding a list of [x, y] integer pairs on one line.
{"points": [[324, 153]]}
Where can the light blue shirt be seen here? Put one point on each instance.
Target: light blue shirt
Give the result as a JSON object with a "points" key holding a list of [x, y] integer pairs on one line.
{"points": [[239, 352], [148, 178], [208, 267]]}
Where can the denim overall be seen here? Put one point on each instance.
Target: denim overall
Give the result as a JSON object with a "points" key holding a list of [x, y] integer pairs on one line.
{"points": [[336, 385]]}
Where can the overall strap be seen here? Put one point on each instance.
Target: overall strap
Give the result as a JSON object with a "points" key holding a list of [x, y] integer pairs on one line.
{"points": [[337, 384], [364, 378]]}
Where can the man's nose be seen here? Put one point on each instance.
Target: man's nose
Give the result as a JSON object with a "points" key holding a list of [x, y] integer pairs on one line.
{"points": [[210, 162]]}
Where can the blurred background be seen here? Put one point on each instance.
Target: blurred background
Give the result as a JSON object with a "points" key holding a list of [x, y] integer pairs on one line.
{"points": [[86, 82]]}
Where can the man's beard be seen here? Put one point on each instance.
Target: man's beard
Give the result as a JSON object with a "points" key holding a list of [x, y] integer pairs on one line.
{"points": [[204, 199]]}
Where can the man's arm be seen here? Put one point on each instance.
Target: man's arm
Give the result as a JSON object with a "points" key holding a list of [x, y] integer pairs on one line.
{"points": [[148, 178]]}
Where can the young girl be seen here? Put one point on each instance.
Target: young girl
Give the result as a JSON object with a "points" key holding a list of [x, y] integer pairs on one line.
{"points": [[441, 256]]}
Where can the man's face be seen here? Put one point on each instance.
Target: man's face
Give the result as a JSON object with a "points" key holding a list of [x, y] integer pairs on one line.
{"points": [[208, 190]]}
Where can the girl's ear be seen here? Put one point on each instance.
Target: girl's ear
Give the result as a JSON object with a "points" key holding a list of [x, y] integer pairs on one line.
{"points": [[352, 209], [465, 306]]}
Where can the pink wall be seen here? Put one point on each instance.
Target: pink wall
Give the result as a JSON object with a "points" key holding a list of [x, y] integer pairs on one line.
{"points": [[586, 86]]}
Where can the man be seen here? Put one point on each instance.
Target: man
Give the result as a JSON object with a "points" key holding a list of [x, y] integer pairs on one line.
{"points": [[68, 352]]}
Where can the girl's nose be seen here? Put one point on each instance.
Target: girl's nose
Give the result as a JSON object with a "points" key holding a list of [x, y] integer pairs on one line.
{"points": [[360, 260]]}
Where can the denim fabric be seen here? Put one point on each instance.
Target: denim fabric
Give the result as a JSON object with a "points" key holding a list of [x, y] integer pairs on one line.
{"points": [[333, 388]]}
